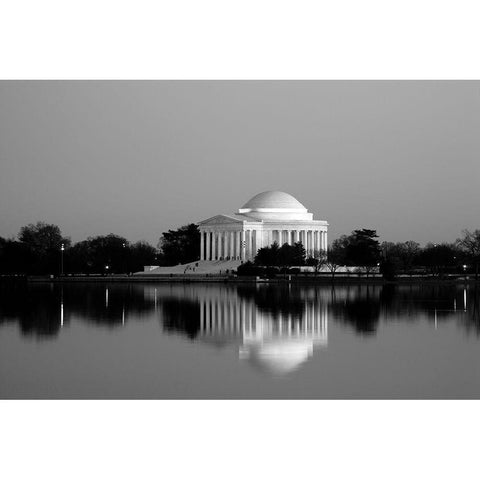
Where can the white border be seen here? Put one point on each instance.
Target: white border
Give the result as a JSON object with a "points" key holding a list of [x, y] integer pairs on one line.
{"points": [[267, 39], [248, 39], [238, 440]]}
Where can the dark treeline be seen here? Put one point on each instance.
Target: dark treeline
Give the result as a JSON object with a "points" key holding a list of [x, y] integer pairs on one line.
{"points": [[361, 249], [42, 249]]}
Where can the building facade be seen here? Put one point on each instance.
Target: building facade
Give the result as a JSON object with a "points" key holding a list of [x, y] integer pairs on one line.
{"points": [[266, 218]]}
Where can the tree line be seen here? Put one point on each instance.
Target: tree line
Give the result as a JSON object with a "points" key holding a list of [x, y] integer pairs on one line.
{"points": [[41, 248], [362, 250]]}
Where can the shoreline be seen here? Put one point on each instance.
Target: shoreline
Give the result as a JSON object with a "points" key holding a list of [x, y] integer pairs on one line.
{"points": [[292, 279]]}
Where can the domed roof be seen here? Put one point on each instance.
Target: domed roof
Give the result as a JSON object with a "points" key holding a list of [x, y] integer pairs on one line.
{"points": [[274, 200], [278, 357]]}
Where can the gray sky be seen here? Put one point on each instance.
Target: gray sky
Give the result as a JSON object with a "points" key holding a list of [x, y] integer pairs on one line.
{"points": [[137, 158]]}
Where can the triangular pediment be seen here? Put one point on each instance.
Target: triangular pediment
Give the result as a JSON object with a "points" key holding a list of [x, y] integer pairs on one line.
{"points": [[221, 220]]}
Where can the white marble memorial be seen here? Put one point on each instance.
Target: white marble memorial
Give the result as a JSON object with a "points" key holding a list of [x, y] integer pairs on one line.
{"points": [[266, 218]]}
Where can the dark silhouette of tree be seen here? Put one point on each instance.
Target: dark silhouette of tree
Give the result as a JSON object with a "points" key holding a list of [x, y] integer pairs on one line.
{"points": [[363, 249], [470, 246], [180, 246], [139, 255], [336, 255], [16, 257], [438, 258], [298, 254], [44, 241], [42, 237], [284, 256], [389, 268], [401, 255], [268, 256], [95, 254], [318, 260]]}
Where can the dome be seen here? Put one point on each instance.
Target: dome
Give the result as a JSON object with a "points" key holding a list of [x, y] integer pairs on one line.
{"points": [[278, 357], [275, 206], [274, 199]]}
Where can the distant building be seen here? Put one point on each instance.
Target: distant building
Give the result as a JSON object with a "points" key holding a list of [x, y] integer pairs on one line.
{"points": [[266, 218]]}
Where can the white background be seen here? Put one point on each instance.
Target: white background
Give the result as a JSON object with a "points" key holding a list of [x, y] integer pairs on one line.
{"points": [[245, 39]]}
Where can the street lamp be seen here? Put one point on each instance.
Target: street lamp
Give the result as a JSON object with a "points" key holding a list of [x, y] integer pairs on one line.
{"points": [[464, 268], [124, 245], [106, 268], [62, 249]]}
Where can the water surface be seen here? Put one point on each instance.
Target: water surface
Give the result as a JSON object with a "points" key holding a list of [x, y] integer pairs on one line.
{"points": [[250, 341]]}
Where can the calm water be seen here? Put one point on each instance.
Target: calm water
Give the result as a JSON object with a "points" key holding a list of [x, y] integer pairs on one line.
{"points": [[221, 341]]}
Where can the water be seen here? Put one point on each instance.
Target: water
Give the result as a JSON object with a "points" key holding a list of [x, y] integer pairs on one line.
{"points": [[226, 341]]}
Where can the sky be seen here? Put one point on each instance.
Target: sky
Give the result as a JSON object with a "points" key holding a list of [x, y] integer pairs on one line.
{"points": [[137, 158]]}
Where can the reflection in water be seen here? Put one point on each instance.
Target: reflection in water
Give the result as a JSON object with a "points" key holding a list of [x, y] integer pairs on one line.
{"points": [[275, 328], [272, 338], [234, 341]]}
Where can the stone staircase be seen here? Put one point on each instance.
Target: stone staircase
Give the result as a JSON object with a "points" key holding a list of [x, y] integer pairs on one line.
{"points": [[201, 267]]}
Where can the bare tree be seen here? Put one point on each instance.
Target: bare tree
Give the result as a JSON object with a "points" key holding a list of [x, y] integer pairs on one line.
{"points": [[335, 257], [470, 245], [317, 260]]}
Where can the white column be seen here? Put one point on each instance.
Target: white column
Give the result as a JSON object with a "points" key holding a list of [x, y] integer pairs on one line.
{"points": [[221, 252], [208, 255], [259, 239], [254, 244], [214, 245], [237, 243], [202, 236], [231, 249], [242, 245]]}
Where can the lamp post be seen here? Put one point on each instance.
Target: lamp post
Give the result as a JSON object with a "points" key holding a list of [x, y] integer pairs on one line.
{"points": [[124, 245], [62, 249]]}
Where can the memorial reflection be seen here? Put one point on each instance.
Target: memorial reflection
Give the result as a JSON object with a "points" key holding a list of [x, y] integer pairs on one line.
{"points": [[255, 317], [276, 329]]}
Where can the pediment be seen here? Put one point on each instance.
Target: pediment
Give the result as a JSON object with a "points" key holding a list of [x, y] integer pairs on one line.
{"points": [[221, 220]]}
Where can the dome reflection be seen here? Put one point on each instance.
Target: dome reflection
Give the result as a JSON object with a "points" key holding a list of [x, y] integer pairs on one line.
{"points": [[276, 342]]}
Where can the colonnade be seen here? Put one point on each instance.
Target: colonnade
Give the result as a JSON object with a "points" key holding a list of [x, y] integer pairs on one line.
{"points": [[242, 318], [243, 245]]}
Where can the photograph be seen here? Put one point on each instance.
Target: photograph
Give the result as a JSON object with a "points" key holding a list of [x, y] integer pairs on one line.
{"points": [[239, 239]]}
